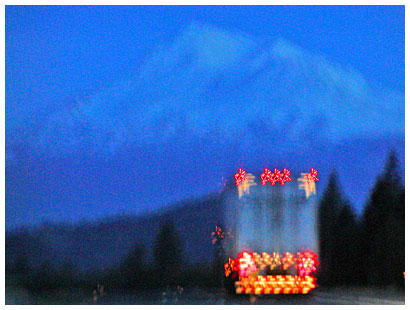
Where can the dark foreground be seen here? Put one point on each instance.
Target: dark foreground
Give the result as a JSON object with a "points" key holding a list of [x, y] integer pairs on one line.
{"points": [[196, 296]]}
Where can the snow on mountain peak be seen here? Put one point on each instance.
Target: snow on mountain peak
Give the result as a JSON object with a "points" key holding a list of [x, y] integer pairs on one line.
{"points": [[211, 82]]}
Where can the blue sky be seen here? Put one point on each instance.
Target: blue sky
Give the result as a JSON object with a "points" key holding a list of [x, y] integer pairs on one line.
{"points": [[62, 54]]}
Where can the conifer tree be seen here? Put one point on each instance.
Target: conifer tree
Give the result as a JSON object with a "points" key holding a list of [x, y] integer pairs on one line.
{"points": [[330, 207], [168, 254], [383, 227], [346, 247], [132, 268]]}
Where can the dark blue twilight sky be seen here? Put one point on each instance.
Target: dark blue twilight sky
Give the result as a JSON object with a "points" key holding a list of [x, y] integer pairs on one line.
{"points": [[126, 109]]}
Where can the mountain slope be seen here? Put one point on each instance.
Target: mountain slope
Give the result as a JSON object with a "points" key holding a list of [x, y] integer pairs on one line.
{"points": [[211, 81], [199, 108], [90, 246]]}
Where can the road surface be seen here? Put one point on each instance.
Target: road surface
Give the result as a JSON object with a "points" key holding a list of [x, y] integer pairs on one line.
{"points": [[319, 296]]}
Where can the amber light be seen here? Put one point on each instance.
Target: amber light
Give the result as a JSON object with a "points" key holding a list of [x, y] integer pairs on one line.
{"points": [[276, 284]]}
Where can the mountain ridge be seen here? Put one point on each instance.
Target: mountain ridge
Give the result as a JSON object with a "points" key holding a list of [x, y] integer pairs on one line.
{"points": [[173, 131], [103, 244], [304, 81]]}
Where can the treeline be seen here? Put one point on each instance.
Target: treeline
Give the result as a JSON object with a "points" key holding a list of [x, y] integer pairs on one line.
{"points": [[354, 250], [366, 250], [168, 270]]}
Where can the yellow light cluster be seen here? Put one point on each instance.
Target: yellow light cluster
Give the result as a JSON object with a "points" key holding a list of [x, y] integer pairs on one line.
{"points": [[309, 187], [288, 260], [279, 284], [276, 261], [243, 187], [264, 260]]}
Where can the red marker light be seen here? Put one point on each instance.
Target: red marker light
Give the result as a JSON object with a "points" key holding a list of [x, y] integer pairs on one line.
{"points": [[312, 176], [267, 176], [240, 176]]}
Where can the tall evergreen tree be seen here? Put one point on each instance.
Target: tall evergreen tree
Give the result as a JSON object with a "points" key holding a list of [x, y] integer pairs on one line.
{"points": [[346, 248], [67, 273], [399, 242], [383, 227], [44, 278], [330, 207], [132, 268], [168, 255], [21, 266]]}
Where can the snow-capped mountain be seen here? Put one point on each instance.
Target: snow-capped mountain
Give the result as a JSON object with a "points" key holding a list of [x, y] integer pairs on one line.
{"points": [[210, 81], [209, 102]]}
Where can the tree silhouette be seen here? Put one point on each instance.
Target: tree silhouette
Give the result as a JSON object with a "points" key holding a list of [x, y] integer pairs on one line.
{"points": [[383, 227], [168, 255], [346, 248], [21, 265], [330, 207], [44, 278], [131, 271], [67, 274]]}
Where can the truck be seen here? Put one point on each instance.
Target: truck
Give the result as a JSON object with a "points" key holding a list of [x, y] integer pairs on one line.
{"points": [[271, 240]]}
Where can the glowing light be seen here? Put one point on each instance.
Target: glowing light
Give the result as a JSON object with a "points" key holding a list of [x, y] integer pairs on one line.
{"points": [[306, 266], [266, 260], [277, 175], [288, 260], [227, 270], [290, 284], [267, 176], [244, 186], [308, 254], [240, 176], [252, 283], [258, 260], [310, 188], [276, 261], [307, 261], [229, 267], [246, 264], [218, 234], [312, 176], [285, 176], [272, 261]]}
